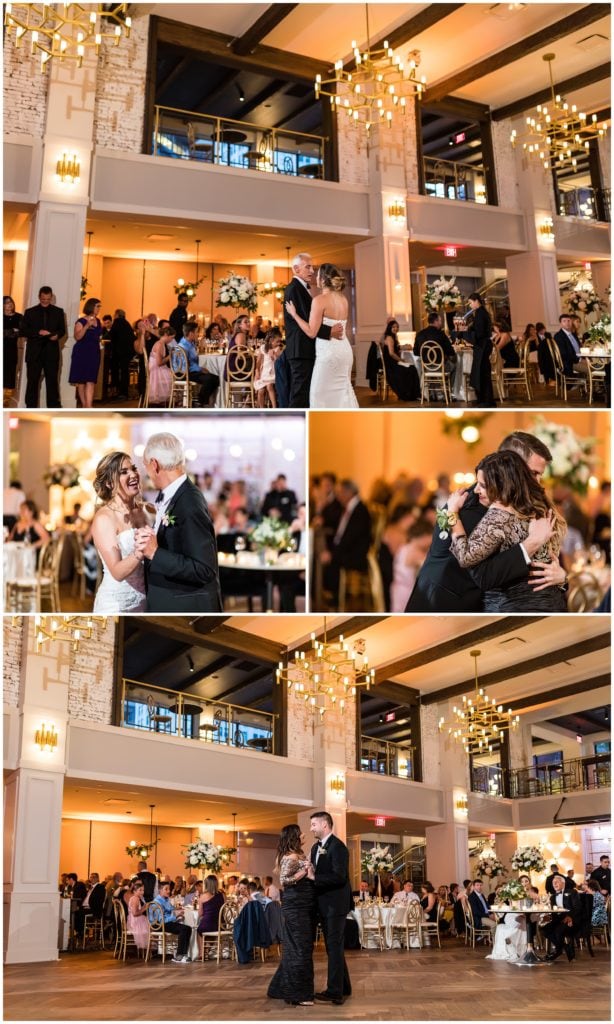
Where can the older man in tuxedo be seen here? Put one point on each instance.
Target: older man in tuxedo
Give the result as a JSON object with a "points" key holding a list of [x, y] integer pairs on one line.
{"points": [[300, 351], [562, 927], [351, 541]]}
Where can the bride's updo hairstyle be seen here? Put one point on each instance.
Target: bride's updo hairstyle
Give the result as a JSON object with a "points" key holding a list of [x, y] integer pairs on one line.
{"points": [[331, 277], [289, 841], [508, 480], [106, 481]]}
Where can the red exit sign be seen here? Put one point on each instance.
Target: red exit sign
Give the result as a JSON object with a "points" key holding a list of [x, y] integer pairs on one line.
{"points": [[459, 138], [450, 251], [390, 716]]}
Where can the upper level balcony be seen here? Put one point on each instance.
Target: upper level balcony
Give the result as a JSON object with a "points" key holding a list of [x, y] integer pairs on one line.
{"points": [[448, 179], [581, 773], [586, 203]]}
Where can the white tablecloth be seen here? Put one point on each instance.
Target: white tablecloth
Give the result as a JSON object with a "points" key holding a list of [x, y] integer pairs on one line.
{"points": [[387, 913], [19, 561], [215, 364], [464, 362], [190, 917]]}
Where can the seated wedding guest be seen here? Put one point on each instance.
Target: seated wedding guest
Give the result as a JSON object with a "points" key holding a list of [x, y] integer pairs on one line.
{"points": [[92, 903], [283, 380], [191, 885], [428, 902], [502, 340], [27, 529], [160, 374], [213, 334], [209, 382], [402, 378], [231, 885], [178, 888], [242, 893], [406, 895], [394, 536], [210, 903], [264, 380], [281, 499], [174, 924], [407, 563], [482, 917], [255, 893], [561, 930], [137, 914], [544, 355], [363, 892], [434, 332], [600, 912], [271, 890]]}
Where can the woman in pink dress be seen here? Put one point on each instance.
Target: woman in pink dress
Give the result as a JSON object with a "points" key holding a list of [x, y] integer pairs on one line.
{"points": [[160, 376], [137, 914]]}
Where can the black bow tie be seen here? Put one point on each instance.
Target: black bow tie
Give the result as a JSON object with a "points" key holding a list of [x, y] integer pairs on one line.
{"points": [[159, 497], [319, 844]]}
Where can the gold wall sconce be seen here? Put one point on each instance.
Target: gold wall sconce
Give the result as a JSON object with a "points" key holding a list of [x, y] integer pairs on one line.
{"points": [[337, 784], [68, 169], [546, 229], [46, 737], [396, 210]]}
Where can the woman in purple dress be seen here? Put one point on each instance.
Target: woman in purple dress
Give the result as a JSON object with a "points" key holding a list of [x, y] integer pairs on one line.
{"points": [[209, 906], [85, 359]]}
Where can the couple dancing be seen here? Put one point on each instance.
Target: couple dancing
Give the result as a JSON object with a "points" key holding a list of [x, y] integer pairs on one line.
{"points": [[314, 889], [496, 546], [320, 373], [159, 558]]}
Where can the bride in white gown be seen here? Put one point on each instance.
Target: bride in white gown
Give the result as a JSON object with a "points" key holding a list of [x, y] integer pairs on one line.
{"points": [[331, 386], [117, 484]]}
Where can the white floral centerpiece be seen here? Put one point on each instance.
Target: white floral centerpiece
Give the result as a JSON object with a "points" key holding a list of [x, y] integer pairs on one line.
{"points": [[583, 302], [62, 474], [207, 855], [271, 533], [440, 293], [528, 858], [572, 456], [512, 890], [490, 867], [376, 860], [601, 332], [238, 292]]}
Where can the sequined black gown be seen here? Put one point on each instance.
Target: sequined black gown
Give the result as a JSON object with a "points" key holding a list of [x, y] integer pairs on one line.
{"points": [[293, 979]]}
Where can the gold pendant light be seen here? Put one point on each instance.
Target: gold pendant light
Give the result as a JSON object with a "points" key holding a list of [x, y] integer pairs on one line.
{"points": [[479, 722]]}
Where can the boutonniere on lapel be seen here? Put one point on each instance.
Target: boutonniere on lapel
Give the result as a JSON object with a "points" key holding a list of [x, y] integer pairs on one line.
{"points": [[322, 852], [167, 520], [445, 521]]}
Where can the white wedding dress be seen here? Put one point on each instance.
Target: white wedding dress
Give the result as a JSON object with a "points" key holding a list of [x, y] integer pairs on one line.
{"points": [[116, 596], [331, 386], [510, 938]]}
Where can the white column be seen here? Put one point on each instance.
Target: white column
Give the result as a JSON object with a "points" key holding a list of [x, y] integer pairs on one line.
{"points": [[447, 845], [33, 807]]}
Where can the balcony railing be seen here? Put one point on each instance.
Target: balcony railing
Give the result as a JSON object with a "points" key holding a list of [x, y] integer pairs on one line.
{"points": [[184, 135], [587, 203], [446, 179], [386, 758], [172, 713], [543, 780]]}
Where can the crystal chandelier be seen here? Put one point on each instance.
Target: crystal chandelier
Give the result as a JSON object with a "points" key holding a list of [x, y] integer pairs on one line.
{"points": [[479, 722], [378, 87], [559, 134], [328, 675], [65, 31], [64, 627]]}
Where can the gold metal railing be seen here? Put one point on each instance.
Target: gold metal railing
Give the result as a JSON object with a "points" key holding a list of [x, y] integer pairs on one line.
{"points": [[185, 135], [383, 757], [149, 708], [446, 179]]}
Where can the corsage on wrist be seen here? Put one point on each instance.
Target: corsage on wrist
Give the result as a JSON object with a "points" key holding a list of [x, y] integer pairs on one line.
{"points": [[445, 521]]}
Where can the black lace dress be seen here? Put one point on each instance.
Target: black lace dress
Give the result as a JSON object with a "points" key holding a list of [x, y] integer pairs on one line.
{"points": [[293, 979], [497, 531], [403, 380]]}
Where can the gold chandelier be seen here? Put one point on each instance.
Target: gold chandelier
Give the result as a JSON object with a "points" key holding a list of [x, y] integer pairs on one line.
{"points": [[64, 627], [377, 89], [480, 722], [328, 675], [65, 31], [559, 134]]}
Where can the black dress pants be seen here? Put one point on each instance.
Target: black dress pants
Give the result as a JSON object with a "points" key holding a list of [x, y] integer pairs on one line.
{"points": [[301, 371], [209, 383], [183, 931], [338, 982], [42, 359]]}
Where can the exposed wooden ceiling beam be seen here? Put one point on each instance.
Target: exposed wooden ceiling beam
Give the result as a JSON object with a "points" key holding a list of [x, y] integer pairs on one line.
{"points": [[222, 638], [206, 100], [261, 97], [207, 623], [216, 45], [453, 106], [347, 628], [491, 631], [262, 27], [504, 58], [241, 684], [426, 18], [597, 74], [522, 668], [404, 695], [563, 691], [305, 105], [173, 75]]}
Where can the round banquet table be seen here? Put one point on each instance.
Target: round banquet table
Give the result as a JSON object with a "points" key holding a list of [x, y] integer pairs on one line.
{"points": [[190, 917], [464, 361], [274, 573], [530, 959], [19, 563], [386, 911], [215, 364], [596, 353]]}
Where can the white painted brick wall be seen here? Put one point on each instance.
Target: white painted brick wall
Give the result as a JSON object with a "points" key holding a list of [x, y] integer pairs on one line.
{"points": [[11, 662], [505, 164], [25, 91], [352, 151], [120, 91], [90, 683]]}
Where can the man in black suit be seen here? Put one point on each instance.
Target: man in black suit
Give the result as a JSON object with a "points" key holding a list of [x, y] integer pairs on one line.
{"points": [[44, 327], [352, 538], [181, 570], [482, 917], [330, 860], [328, 508], [562, 928], [555, 873], [443, 586], [434, 332], [602, 875], [148, 879], [122, 353], [93, 903], [479, 335], [179, 316], [301, 350], [569, 346], [280, 498]]}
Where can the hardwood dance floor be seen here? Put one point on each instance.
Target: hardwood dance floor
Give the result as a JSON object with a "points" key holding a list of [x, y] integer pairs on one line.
{"points": [[453, 983]]}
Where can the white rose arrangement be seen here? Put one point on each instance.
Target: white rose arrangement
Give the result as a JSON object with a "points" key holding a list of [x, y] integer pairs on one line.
{"points": [[271, 533], [573, 460], [62, 473], [238, 292], [376, 860], [207, 855], [440, 293], [490, 867], [528, 858]]}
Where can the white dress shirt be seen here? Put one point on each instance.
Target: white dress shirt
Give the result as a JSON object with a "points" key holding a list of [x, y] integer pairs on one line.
{"points": [[345, 518], [168, 493]]}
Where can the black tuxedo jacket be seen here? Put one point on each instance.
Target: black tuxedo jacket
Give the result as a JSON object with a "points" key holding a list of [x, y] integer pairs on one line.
{"points": [[434, 334], [331, 517], [149, 882], [550, 888], [96, 900], [332, 883], [353, 546], [571, 902], [79, 891], [444, 586], [479, 335], [477, 909], [183, 574], [298, 345], [568, 354]]}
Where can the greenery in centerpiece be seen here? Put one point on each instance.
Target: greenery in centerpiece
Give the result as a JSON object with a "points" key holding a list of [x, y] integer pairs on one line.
{"points": [[238, 292], [572, 456], [600, 333], [142, 850], [512, 889], [207, 855], [271, 533], [188, 288], [528, 858], [440, 293], [376, 860], [62, 474]]}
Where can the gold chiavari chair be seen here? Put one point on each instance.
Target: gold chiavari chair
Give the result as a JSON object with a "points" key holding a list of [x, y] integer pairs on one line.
{"points": [[240, 368], [562, 379], [518, 375], [434, 376], [223, 937], [584, 593], [596, 376], [371, 925]]}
